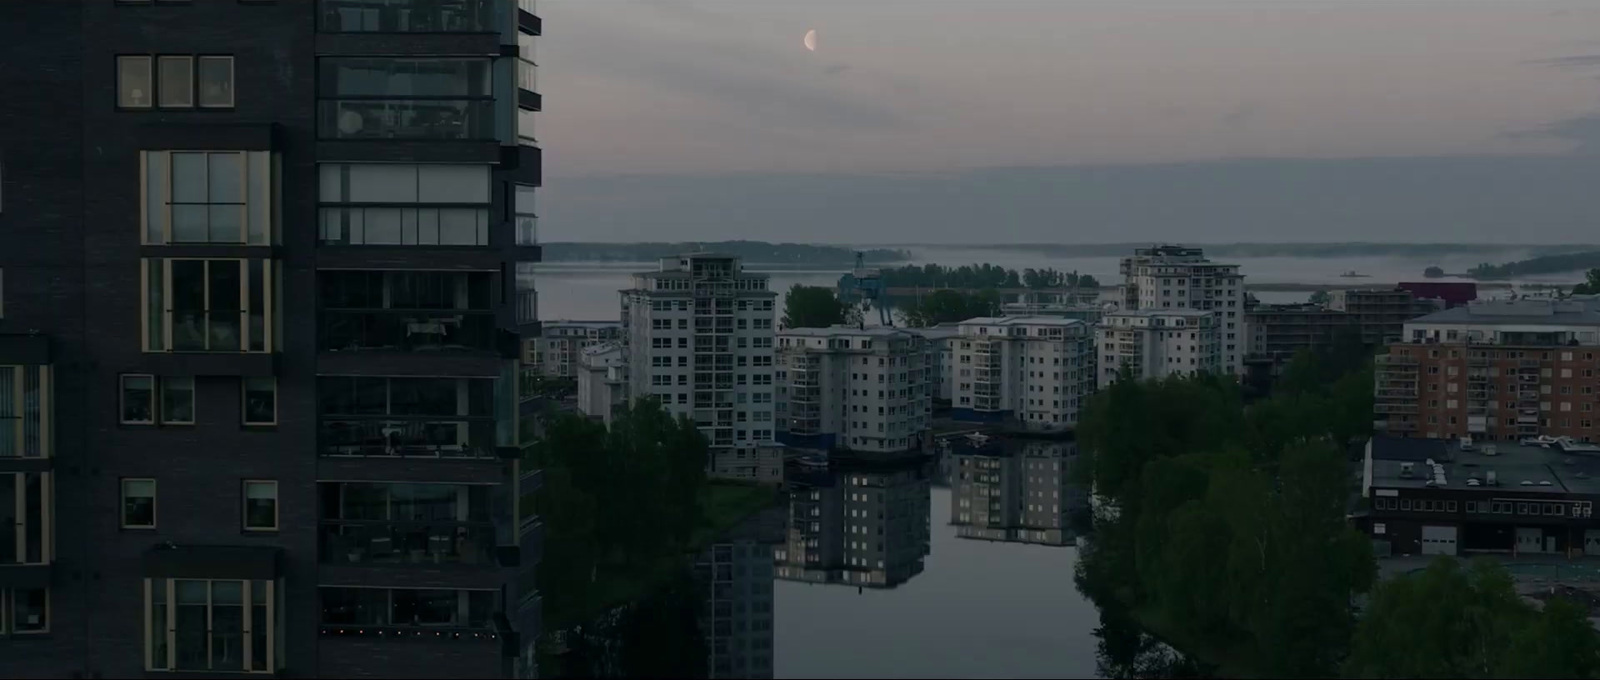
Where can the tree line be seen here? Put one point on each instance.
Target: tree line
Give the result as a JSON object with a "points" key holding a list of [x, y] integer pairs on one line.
{"points": [[1222, 526], [977, 276], [1545, 264], [752, 252], [819, 307]]}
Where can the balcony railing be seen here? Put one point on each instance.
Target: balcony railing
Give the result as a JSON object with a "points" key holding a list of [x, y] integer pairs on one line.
{"points": [[527, 75], [386, 542], [527, 306], [420, 438], [407, 331], [405, 226], [430, 119], [408, 16]]}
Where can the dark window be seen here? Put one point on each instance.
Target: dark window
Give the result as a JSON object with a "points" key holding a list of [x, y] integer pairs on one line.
{"points": [[408, 16], [406, 98], [139, 399], [138, 503], [260, 401]]}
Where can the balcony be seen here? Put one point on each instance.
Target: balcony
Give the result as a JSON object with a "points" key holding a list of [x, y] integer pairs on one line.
{"points": [[418, 438], [1396, 394], [348, 542], [1394, 408], [394, 119], [404, 226], [407, 331], [407, 16]]}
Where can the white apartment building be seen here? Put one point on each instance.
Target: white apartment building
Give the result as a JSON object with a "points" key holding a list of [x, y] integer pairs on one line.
{"points": [[699, 333], [941, 354], [555, 352], [1157, 343], [602, 376], [1034, 369], [1174, 277], [862, 389]]}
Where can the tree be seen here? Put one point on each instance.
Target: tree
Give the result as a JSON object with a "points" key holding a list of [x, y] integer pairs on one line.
{"points": [[1591, 284], [1433, 273], [1320, 297], [812, 307], [1087, 281], [1561, 643], [949, 306], [1446, 621]]}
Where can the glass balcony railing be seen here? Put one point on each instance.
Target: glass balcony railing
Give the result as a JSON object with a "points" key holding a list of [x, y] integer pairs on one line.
{"points": [[408, 16], [527, 230], [527, 75], [419, 438], [529, 6], [385, 542], [404, 226], [527, 306], [431, 119], [407, 331]]}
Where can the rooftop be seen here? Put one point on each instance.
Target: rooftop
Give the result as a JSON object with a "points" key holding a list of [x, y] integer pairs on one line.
{"points": [[602, 348], [582, 324], [1519, 312], [1022, 321], [1164, 311], [1545, 470], [853, 331]]}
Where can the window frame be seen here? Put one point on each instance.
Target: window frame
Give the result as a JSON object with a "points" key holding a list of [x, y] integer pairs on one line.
{"points": [[8, 612], [257, 200], [160, 60], [122, 399], [244, 500], [44, 417], [244, 398], [199, 92], [150, 76], [272, 602], [162, 383], [154, 62], [23, 510], [162, 267], [122, 512]]}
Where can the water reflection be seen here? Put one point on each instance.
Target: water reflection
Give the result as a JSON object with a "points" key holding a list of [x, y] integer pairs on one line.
{"points": [[860, 523], [1013, 490], [736, 573], [1124, 650]]}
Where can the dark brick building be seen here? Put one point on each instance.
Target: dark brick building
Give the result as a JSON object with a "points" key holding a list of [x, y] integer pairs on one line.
{"points": [[264, 268]]}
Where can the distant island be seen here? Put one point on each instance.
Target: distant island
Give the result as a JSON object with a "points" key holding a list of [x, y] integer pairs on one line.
{"points": [[1547, 264], [752, 252], [1225, 250]]}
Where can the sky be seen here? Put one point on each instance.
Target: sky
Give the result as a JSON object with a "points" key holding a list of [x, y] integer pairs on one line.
{"points": [[946, 121]]}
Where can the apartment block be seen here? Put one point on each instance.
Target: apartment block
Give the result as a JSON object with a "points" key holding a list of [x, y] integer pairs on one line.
{"points": [[1170, 277], [602, 377], [1382, 314], [1036, 371], [700, 337], [1278, 332], [1156, 343], [862, 389], [1497, 370], [737, 574], [266, 275], [858, 523], [555, 352], [941, 355]]}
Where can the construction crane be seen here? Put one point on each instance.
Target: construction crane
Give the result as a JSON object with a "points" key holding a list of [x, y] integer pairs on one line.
{"points": [[867, 286]]}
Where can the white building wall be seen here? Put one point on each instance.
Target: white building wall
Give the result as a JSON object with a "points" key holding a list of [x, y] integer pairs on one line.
{"points": [[1169, 278], [1039, 370], [867, 388], [1158, 343]]}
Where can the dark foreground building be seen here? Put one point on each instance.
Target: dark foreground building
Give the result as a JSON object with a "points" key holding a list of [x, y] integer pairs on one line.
{"points": [[264, 267]]}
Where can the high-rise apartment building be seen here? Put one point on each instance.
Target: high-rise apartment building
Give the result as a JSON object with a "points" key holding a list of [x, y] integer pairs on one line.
{"points": [[1156, 343], [555, 352], [1381, 314], [1494, 370], [863, 389], [700, 338], [1038, 371], [736, 573], [1174, 277], [266, 266], [602, 377]]}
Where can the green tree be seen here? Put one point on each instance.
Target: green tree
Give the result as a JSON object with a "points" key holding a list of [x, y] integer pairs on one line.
{"points": [[1320, 297], [812, 307], [1590, 285], [949, 306], [1433, 273], [1560, 643], [1087, 281], [1444, 622]]}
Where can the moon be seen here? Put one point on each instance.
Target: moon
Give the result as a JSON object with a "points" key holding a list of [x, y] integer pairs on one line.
{"points": [[811, 40]]}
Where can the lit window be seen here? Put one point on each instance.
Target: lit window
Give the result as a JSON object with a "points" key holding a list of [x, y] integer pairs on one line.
{"points": [[24, 611], [207, 197], [138, 503], [134, 83], [260, 505]]}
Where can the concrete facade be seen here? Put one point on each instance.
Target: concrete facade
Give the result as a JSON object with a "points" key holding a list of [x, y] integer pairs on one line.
{"points": [[556, 351], [863, 389], [602, 376], [1174, 277], [1037, 371], [1156, 343]]}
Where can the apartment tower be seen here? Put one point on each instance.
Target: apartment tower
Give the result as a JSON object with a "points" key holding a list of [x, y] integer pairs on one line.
{"points": [[266, 270], [862, 389], [1170, 277]]}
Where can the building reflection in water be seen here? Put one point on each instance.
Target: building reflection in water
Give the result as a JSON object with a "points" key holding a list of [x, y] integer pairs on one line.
{"points": [[737, 575], [1016, 490], [857, 523]]}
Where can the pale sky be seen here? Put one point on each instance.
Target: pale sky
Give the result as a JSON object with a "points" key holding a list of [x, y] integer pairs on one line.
{"points": [[915, 95]]}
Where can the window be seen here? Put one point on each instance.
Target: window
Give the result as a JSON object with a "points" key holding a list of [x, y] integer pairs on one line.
{"points": [[216, 82], [526, 217], [25, 418], [139, 399], [405, 98], [138, 503], [404, 204], [177, 401], [208, 305], [24, 611], [260, 505], [407, 16], [26, 533], [410, 607], [207, 197], [260, 401], [134, 82], [216, 625], [175, 81]]}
